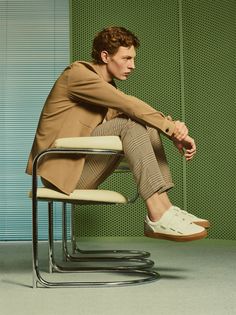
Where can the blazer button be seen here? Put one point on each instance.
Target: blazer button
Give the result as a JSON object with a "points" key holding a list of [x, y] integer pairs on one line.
{"points": [[167, 129]]}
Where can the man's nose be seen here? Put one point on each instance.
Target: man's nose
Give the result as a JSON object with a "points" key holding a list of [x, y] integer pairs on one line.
{"points": [[132, 64]]}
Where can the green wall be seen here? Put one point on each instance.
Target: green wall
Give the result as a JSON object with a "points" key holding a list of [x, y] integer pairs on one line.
{"points": [[185, 68], [210, 81]]}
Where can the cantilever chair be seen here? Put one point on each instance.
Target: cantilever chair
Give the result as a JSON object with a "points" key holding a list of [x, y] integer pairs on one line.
{"points": [[126, 263]]}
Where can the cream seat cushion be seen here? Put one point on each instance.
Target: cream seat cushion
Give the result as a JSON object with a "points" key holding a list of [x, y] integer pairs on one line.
{"points": [[101, 142], [81, 195]]}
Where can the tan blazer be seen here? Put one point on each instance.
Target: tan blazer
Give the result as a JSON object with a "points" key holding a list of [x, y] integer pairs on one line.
{"points": [[79, 101]]}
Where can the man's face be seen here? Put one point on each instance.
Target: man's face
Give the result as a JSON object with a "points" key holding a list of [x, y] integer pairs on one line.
{"points": [[121, 64]]}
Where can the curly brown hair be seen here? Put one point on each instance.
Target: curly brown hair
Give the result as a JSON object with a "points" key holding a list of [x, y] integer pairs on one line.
{"points": [[110, 39]]}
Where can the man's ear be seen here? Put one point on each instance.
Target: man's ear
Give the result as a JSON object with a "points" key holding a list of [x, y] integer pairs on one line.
{"points": [[104, 56]]}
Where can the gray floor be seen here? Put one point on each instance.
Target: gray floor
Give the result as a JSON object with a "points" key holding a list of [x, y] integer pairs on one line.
{"points": [[196, 278]]}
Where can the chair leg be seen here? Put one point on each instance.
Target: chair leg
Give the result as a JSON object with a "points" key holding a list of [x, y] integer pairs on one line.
{"points": [[72, 234], [35, 262], [64, 233], [50, 238]]}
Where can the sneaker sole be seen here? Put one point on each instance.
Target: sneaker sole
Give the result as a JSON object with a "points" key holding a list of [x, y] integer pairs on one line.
{"points": [[175, 238], [205, 224]]}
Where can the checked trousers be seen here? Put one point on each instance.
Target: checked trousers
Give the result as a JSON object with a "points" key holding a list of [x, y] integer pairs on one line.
{"points": [[143, 150]]}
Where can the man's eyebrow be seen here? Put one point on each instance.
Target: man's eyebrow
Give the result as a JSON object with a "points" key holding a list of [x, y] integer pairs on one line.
{"points": [[129, 56]]}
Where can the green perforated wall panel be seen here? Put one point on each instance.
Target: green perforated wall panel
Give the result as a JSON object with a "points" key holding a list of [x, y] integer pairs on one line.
{"points": [[210, 79], [187, 72]]}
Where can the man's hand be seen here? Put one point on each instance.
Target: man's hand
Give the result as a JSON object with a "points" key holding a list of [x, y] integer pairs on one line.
{"points": [[186, 147]]}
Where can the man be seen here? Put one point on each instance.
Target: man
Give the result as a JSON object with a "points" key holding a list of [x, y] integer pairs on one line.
{"points": [[84, 101]]}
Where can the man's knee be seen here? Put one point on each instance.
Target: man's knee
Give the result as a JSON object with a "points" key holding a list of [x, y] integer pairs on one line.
{"points": [[132, 124]]}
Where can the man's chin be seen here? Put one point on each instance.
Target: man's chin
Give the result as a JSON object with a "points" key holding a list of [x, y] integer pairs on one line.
{"points": [[124, 77]]}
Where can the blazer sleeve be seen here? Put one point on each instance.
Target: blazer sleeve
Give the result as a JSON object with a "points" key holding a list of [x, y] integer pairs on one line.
{"points": [[85, 85]]}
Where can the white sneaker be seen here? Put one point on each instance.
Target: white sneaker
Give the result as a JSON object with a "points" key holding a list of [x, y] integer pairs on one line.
{"points": [[173, 227], [191, 218]]}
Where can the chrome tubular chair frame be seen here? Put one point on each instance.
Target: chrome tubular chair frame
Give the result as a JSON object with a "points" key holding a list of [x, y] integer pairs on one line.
{"points": [[137, 264]]}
